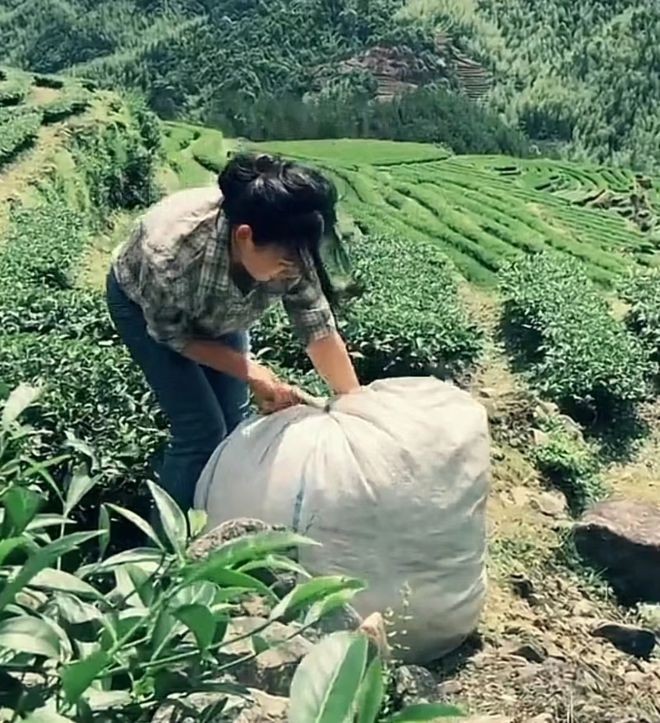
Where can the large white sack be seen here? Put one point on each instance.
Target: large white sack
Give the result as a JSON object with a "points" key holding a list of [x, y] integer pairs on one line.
{"points": [[392, 481]]}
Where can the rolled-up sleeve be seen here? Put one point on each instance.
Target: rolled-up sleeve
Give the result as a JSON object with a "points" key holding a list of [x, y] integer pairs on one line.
{"points": [[309, 311]]}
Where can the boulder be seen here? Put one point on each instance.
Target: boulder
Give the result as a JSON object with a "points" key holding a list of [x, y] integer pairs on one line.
{"points": [[207, 543], [627, 638], [622, 538], [414, 684], [272, 671]]}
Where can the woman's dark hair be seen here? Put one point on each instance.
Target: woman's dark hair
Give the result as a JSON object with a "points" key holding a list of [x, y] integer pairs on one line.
{"points": [[284, 203]]}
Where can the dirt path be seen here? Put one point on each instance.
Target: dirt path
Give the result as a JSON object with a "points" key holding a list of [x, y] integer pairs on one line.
{"points": [[534, 658]]}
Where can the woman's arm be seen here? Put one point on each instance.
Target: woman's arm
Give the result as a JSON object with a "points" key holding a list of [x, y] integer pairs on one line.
{"points": [[333, 363], [270, 392]]}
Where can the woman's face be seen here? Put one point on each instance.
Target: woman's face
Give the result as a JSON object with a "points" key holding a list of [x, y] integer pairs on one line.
{"points": [[265, 262]]}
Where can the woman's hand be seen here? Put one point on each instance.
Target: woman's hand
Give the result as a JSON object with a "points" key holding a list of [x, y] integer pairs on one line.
{"points": [[271, 393]]}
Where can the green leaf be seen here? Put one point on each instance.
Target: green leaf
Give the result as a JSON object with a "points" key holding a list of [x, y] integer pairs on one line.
{"points": [[77, 677], [10, 544], [81, 483], [141, 583], [40, 560], [230, 578], [372, 692], [29, 635], [259, 645], [257, 546], [146, 557], [74, 611], [200, 621], [19, 400], [335, 600], [80, 446], [141, 524], [41, 522], [197, 520], [325, 686], [313, 591], [172, 519], [426, 712], [275, 563], [104, 529], [51, 579], [21, 505]]}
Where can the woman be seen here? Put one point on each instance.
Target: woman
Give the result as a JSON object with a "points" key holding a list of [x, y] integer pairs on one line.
{"points": [[201, 266]]}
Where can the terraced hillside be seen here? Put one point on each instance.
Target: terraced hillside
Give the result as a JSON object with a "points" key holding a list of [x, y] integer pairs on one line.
{"points": [[69, 194], [485, 211]]}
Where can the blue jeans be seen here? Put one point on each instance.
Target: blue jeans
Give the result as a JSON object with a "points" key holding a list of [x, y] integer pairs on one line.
{"points": [[202, 405]]}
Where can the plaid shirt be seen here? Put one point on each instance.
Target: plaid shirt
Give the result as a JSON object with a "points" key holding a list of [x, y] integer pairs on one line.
{"points": [[176, 266]]}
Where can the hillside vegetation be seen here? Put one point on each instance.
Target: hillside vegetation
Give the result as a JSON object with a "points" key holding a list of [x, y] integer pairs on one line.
{"points": [[531, 282], [580, 78]]}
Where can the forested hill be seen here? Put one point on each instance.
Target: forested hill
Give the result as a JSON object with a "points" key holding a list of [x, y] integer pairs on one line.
{"points": [[578, 76]]}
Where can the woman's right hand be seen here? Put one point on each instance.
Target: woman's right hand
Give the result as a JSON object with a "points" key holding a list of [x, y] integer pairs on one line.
{"points": [[270, 393]]}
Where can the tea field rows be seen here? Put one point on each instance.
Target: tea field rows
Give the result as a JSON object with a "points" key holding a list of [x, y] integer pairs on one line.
{"points": [[486, 211]]}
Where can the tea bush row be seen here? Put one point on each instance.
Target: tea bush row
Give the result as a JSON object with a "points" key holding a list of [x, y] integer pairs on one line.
{"points": [[17, 133], [560, 327], [642, 292], [404, 315]]}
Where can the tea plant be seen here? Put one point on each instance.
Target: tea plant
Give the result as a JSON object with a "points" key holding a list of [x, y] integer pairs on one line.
{"points": [[570, 463], [114, 637], [406, 317], [561, 328], [642, 292]]}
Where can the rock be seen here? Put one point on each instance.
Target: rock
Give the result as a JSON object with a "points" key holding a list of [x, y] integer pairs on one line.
{"points": [[552, 504], [627, 638], [542, 718], [497, 453], [272, 671], [415, 684], [487, 719], [207, 543], [520, 495], [540, 439], [622, 538], [266, 709], [650, 617], [531, 651], [571, 426], [544, 410], [522, 585], [258, 707]]}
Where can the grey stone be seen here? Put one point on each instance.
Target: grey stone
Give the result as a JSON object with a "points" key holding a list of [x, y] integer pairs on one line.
{"points": [[540, 438], [207, 543], [257, 707], [552, 504], [272, 671], [622, 538], [415, 684], [531, 651], [627, 638]]}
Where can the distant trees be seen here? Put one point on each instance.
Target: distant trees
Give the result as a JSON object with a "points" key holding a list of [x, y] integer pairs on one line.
{"points": [[431, 115], [582, 76], [582, 73]]}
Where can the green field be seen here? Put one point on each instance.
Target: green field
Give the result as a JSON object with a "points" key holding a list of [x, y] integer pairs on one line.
{"points": [[481, 211]]}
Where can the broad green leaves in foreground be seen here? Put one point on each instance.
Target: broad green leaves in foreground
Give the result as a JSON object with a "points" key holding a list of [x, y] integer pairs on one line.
{"points": [[341, 681]]}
